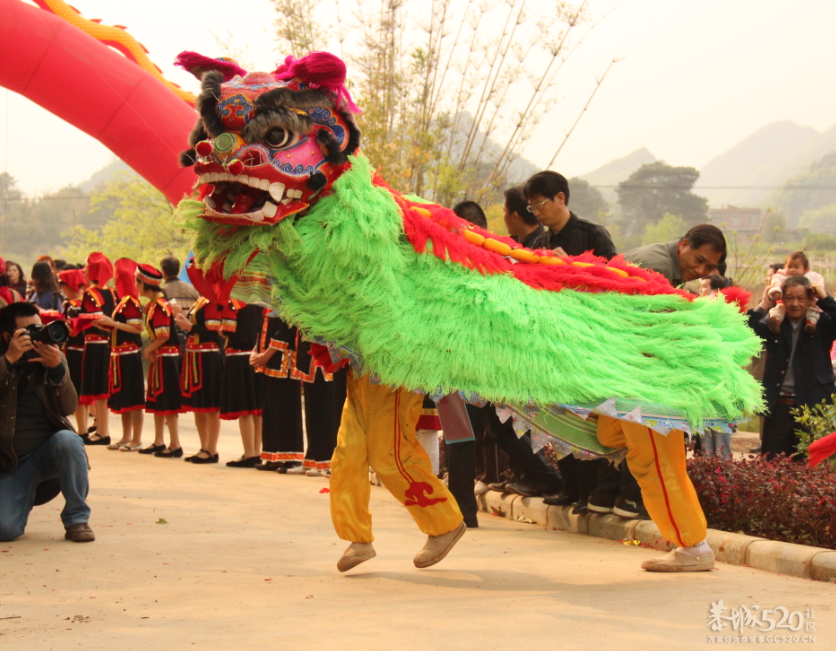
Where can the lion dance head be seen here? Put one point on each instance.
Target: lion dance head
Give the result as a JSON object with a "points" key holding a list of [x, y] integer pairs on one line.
{"points": [[268, 145]]}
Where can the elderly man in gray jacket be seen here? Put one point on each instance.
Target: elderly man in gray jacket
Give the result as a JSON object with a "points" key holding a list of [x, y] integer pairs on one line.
{"points": [[40, 453]]}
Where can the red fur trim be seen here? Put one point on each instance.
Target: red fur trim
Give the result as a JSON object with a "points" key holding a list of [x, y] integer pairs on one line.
{"points": [[151, 410], [737, 295], [442, 233], [201, 410]]}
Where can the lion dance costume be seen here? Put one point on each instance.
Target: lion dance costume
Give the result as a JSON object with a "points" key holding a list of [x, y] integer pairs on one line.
{"points": [[291, 213]]}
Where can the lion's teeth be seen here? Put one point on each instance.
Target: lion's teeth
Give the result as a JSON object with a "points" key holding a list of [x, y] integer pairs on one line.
{"points": [[269, 209], [264, 184], [276, 191]]}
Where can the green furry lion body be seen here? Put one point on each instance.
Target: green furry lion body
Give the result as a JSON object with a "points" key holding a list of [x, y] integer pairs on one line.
{"points": [[346, 273]]}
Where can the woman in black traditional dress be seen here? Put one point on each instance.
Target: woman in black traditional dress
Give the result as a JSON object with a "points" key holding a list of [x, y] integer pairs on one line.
{"points": [[324, 400], [126, 384], [240, 397], [163, 393], [73, 283], [202, 374], [281, 397], [98, 300]]}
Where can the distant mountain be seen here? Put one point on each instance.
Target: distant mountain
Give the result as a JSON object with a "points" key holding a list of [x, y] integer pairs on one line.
{"points": [[104, 175], [765, 159], [609, 175]]}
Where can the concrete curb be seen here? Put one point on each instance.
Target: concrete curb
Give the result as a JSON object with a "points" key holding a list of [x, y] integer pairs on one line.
{"points": [[732, 548]]}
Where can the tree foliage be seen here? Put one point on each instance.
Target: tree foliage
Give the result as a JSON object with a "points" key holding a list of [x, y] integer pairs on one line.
{"points": [[33, 226], [804, 195], [658, 188], [587, 201], [141, 226], [452, 91], [667, 229]]}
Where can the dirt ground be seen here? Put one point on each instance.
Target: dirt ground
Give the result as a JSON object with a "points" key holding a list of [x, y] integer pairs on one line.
{"points": [[211, 557]]}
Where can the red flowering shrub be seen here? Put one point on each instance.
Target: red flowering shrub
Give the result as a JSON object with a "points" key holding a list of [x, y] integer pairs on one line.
{"points": [[778, 500]]}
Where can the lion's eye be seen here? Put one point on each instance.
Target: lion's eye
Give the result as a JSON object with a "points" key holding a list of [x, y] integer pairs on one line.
{"points": [[277, 137]]}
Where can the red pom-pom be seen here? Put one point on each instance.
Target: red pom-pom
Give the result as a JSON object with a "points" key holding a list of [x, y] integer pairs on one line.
{"points": [[319, 70]]}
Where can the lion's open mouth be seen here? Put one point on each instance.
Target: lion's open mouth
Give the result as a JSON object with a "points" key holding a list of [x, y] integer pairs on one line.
{"points": [[247, 198]]}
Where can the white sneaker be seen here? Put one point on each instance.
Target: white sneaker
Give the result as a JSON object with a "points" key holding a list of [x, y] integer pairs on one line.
{"points": [[314, 472], [297, 470]]}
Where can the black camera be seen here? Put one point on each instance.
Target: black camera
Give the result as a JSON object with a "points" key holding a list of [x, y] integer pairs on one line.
{"points": [[55, 333]]}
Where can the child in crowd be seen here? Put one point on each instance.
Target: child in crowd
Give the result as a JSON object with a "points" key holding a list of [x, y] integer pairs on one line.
{"points": [[797, 264]]}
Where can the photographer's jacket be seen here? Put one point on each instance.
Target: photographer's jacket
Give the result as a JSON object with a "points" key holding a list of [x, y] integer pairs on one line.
{"points": [[812, 369], [20, 385]]}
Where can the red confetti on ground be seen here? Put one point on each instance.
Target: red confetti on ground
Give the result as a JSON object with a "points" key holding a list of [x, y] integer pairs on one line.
{"points": [[268, 579], [325, 490]]}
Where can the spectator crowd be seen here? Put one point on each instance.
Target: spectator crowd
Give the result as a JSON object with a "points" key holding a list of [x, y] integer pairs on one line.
{"points": [[137, 339]]}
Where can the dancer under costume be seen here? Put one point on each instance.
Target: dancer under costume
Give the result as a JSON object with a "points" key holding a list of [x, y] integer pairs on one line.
{"points": [[324, 400], [240, 388], [97, 301], [73, 284], [202, 374], [422, 301], [126, 384], [162, 396], [281, 396]]}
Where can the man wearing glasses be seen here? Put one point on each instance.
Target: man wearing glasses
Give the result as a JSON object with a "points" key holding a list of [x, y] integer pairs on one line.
{"points": [[547, 194], [548, 200]]}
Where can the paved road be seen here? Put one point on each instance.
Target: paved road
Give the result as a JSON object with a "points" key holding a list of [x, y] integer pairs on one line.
{"points": [[246, 560]]}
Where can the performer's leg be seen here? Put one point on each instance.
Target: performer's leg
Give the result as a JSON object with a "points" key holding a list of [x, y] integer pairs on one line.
{"points": [[350, 488], [658, 463], [390, 417]]}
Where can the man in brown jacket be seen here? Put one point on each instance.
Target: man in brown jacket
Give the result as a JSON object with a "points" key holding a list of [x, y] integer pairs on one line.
{"points": [[40, 454]]}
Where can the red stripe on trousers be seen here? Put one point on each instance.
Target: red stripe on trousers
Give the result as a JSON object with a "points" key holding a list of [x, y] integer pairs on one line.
{"points": [[664, 490]]}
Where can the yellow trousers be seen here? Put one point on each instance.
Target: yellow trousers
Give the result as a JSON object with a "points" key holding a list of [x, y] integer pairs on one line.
{"points": [[658, 464], [378, 430]]}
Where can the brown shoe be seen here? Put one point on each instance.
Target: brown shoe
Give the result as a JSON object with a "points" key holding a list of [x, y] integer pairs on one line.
{"points": [[79, 533], [437, 547], [355, 554]]}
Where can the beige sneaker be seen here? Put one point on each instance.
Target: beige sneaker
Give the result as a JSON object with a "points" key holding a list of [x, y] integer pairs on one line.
{"points": [[677, 561], [355, 554], [437, 547]]}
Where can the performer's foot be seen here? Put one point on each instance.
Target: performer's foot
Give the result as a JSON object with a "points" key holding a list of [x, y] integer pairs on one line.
{"points": [[437, 547], [679, 560], [355, 554]]}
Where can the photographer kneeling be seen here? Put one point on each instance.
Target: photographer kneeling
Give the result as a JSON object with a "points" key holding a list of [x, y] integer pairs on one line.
{"points": [[40, 454]]}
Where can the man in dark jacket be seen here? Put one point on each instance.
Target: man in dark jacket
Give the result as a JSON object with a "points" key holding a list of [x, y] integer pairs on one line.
{"points": [[548, 200], [40, 454], [798, 369]]}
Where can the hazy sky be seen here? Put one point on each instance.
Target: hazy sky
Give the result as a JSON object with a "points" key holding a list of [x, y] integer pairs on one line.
{"points": [[696, 77]]}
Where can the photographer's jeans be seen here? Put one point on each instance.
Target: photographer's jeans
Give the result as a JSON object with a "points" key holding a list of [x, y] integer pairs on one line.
{"points": [[60, 457]]}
